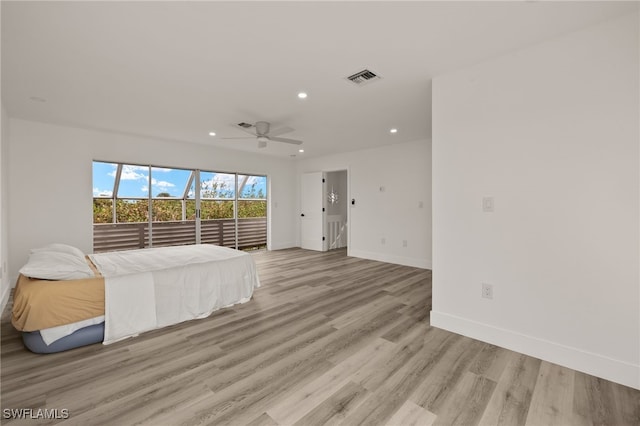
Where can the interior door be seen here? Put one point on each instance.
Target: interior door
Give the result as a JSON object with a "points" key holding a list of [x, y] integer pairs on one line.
{"points": [[311, 215]]}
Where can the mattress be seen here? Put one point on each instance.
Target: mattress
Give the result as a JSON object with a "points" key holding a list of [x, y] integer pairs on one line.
{"points": [[134, 291], [148, 289], [40, 304], [84, 336]]}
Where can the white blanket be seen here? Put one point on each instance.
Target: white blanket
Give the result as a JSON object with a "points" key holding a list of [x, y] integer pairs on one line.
{"points": [[152, 288], [50, 335], [127, 311]]}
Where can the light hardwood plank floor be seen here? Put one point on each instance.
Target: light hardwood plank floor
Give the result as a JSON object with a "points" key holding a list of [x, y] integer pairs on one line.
{"points": [[327, 339]]}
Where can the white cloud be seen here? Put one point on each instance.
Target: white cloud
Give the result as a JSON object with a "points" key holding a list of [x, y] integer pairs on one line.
{"points": [[161, 183], [229, 181], [113, 172], [130, 172], [161, 169], [97, 192], [156, 183]]}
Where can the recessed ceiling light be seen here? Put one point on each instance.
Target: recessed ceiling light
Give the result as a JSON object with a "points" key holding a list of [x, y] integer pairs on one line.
{"points": [[212, 133], [394, 130], [302, 95], [301, 150]]}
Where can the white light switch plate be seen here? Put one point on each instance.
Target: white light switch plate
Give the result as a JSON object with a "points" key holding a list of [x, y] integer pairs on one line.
{"points": [[487, 204]]}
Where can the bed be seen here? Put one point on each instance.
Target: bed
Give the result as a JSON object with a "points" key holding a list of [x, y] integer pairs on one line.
{"points": [[64, 300]]}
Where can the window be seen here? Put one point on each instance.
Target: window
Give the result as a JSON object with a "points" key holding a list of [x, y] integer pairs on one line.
{"points": [[168, 187], [103, 183], [137, 206], [252, 210], [252, 199], [217, 195]]}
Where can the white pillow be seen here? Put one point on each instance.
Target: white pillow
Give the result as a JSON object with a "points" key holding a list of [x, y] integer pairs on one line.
{"points": [[50, 265], [60, 248]]}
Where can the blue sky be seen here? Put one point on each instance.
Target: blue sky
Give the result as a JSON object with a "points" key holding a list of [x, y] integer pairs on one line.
{"points": [[134, 181]]}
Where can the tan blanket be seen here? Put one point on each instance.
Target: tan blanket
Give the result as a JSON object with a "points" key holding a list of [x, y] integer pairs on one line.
{"points": [[39, 304]]}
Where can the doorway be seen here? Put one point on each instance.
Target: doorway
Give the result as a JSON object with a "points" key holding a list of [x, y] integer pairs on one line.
{"points": [[324, 215], [336, 210]]}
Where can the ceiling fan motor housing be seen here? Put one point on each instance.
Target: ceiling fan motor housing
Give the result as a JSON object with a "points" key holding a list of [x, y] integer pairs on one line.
{"points": [[262, 128]]}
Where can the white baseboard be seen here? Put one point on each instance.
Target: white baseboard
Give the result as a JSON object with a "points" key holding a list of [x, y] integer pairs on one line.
{"points": [[5, 298], [398, 260], [282, 246], [587, 362]]}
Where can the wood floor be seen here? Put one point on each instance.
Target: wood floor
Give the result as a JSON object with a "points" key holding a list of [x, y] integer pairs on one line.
{"points": [[327, 339]]}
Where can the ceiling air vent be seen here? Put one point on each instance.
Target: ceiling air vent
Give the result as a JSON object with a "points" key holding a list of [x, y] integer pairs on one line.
{"points": [[363, 77]]}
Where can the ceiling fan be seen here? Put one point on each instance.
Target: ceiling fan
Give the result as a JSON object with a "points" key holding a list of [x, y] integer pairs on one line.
{"points": [[263, 133]]}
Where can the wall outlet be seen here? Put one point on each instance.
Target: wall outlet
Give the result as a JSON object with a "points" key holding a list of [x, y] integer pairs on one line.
{"points": [[404, 243], [487, 291], [488, 205]]}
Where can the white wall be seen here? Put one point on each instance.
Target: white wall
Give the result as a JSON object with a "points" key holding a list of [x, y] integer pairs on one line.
{"points": [[5, 282], [551, 132], [50, 181], [404, 170]]}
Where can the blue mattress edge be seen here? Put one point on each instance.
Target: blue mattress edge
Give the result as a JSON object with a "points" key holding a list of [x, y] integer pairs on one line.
{"points": [[82, 337]]}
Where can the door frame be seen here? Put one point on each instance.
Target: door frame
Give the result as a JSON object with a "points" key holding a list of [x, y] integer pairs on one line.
{"points": [[348, 199]]}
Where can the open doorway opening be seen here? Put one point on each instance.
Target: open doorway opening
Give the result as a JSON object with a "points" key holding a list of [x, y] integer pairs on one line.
{"points": [[336, 201]]}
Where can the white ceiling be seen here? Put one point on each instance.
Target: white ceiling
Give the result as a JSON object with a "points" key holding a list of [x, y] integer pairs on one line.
{"points": [[177, 70]]}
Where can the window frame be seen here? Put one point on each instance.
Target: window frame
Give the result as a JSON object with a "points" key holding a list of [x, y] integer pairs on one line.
{"points": [[194, 177]]}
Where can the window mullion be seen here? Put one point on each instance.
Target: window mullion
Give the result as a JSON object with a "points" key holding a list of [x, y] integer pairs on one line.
{"points": [[198, 212], [235, 208], [150, 209], [185, 195], [114, 195]]}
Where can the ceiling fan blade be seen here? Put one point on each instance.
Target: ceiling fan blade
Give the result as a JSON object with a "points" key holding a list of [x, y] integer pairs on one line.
{"points": [[280, 131], [286, 140]]}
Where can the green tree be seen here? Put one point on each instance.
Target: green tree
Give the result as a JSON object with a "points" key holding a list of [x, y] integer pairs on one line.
{"points": [[252, 208], [102, 210], [132, 210], [213, 189], [166, 210]]}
